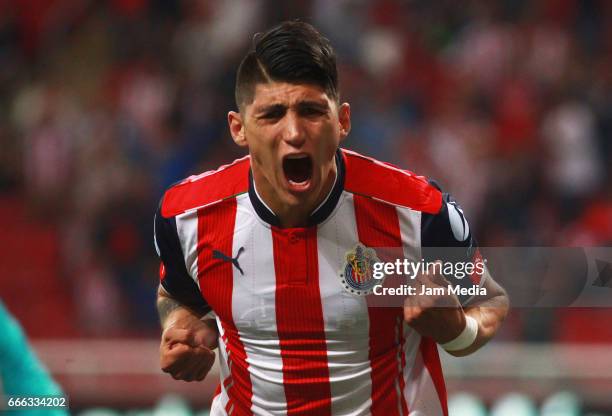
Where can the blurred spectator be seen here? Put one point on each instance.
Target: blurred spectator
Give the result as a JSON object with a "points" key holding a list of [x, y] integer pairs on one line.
{"points": [[573, 168]]}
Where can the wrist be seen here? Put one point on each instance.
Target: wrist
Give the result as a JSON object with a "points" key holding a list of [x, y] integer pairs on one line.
{"points": [[181, 318], [466, 338]]}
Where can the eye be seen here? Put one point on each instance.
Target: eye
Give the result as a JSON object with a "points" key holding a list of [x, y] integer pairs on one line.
{"points": [[273, 113], [312, 111]]}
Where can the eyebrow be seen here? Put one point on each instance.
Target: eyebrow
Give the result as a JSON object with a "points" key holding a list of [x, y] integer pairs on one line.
{"points": [[311, 103], [270, 107], [301, 104]]}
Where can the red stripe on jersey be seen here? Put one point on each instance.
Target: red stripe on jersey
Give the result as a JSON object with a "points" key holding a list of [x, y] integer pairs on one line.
{"points": [[402, 382], [207, 188], [215, 232], [369, 177], [299, 320], [429, 351], [378, 226]]}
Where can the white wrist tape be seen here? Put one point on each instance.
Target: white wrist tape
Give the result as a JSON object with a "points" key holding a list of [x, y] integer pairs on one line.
{"points": [[465, 338]]}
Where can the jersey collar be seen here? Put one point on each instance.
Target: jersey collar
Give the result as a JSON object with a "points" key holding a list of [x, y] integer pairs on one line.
{"points": [[320, 214]]}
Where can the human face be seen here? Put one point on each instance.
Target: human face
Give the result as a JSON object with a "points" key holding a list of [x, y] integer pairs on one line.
{"points": [[292, 132]]}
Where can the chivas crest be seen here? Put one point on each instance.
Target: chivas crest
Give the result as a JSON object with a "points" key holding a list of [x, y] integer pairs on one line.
{"points": [[358, 272]]}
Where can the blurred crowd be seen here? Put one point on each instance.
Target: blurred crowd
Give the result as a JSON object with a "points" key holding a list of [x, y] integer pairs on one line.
{"points": [[507, 104]]}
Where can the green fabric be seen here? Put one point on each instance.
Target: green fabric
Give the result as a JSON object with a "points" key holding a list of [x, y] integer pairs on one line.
{"points": [[21, 372]]}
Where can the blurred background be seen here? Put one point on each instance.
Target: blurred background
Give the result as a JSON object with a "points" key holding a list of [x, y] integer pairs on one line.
{"points": [[103, 104]]}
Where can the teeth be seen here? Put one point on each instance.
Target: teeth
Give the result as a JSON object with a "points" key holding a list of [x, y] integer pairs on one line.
{"points": [[296, 156]]}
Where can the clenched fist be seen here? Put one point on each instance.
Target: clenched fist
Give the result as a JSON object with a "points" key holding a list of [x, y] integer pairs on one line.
{"points": [[432, 311], [184, 353]]}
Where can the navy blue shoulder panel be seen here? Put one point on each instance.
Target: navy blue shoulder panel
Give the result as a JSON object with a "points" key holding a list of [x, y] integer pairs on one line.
{"points": [[447, 236], [176, 279]]}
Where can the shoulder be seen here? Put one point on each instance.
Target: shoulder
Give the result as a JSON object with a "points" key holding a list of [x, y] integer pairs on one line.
{"points": [[207, 188], [388, 183]]}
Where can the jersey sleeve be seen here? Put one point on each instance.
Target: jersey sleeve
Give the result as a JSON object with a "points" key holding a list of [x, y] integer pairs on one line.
{"points": [[173, 273], [446, 236]]}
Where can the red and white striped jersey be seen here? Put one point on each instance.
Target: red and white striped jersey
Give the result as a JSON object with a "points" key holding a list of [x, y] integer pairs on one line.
{"points": [[293, 340]]}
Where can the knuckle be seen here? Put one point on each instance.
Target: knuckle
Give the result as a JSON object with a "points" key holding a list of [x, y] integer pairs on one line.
{"points": [[412, 314], [167, 367]]}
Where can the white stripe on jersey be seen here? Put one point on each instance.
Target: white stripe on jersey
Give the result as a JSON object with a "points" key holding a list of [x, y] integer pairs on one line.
{"points": [[254, 310], [420, 391], [345, 316], [220, 401], [217, 407], [410, 229], [187, 229]]}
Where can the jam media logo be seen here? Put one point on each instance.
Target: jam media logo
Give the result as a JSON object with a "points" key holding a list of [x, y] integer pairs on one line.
{"points": [[358, 273]]}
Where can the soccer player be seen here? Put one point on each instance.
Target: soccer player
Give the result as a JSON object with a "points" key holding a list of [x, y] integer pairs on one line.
{"points": [[268, 258]]}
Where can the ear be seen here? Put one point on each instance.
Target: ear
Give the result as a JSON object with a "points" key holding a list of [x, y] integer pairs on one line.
{"points": [[236, 128], [344, 117]]}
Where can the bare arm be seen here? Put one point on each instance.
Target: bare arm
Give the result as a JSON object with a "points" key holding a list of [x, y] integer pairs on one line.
{"points": [[442, 318], [173, 313], [489, 312]]}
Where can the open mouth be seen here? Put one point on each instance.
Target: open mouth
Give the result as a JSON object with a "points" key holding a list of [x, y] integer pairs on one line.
{"points": [[298, 170]]}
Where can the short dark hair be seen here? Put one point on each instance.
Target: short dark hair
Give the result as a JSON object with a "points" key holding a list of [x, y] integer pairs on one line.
{"points": [[293, 52]]}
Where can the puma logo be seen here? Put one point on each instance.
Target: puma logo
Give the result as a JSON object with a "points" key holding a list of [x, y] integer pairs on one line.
{"points": [[234, 260]]}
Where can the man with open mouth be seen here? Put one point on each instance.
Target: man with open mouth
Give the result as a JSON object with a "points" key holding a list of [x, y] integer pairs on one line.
{"points": [[269, 259]]}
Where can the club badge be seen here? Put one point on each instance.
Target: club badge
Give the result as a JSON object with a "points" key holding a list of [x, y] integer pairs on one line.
{"points": [[358, 273]]}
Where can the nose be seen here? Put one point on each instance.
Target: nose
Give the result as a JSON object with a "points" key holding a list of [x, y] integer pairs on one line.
{"points": [[293, 132]]}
